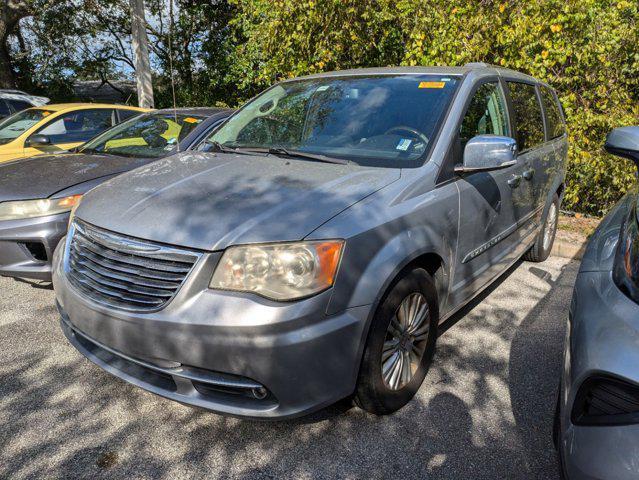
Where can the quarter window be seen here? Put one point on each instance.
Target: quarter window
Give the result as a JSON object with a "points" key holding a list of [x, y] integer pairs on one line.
{"points": [[486, 114], [528, 121], [554, 120]]}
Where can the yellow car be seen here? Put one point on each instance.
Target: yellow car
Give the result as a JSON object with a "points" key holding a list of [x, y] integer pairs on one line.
{"points": [[56, 128]]}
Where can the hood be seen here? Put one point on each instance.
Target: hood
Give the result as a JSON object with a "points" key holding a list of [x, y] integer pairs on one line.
{"points": [[209, 201], [45, 175]]}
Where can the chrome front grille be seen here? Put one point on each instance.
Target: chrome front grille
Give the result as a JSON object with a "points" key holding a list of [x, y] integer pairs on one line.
{"points": [[124, 272]]}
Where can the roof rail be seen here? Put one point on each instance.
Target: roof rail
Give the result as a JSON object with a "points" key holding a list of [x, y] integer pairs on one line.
{"points": [[12, 90], [478, 65]]}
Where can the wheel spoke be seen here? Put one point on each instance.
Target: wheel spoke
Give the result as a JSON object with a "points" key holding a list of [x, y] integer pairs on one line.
{"points": [[421, 315], [404, 314], [406, 370], [397, 368], [390, 347], [395, 326], [388, 367]]}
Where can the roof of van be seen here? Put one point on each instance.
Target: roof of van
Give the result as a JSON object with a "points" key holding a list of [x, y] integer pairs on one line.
{"points": [[479, 67]]}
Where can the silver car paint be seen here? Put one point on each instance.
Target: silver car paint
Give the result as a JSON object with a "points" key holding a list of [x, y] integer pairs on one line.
{"points": [[307, 352], [602, 337]]}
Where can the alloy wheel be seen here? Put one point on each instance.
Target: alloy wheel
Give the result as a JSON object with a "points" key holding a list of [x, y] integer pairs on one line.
{"points": [[405, 341]]}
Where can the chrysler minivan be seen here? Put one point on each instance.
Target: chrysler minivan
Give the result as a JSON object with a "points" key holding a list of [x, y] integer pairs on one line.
{"points": [[310, 249]]}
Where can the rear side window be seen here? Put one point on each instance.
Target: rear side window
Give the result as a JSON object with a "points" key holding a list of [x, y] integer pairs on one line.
{"points": [[554, 120], [528, 121], [486, 114], [18, 105], [4, 109]]}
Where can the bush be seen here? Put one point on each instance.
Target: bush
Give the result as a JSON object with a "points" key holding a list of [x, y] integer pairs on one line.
{"points": [[587, 49]]}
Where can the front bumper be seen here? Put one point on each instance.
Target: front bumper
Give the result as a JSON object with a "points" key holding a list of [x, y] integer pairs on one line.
{"points": [[27, 246], [603, 339], [215, 350]]}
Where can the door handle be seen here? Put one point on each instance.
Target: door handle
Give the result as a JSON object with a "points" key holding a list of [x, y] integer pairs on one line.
{"points": [[529, 174], [515, 181]]}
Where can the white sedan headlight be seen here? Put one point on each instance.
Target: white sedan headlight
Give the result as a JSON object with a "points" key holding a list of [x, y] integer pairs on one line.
{"points": [[37, 208], [285, 271]]}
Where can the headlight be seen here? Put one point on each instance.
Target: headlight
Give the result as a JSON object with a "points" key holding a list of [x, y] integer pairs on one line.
{"points": [[37, 208], [625, 272], [74, 208], [286, 271]]}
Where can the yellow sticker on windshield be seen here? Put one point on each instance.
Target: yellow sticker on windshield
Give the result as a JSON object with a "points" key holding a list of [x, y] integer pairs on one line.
{"points": [[190, 120], [432, 84], [46, 113]]}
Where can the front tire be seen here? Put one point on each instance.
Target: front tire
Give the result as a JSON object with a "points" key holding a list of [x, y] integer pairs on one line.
{"points": [[400, 345], [542, 247]]}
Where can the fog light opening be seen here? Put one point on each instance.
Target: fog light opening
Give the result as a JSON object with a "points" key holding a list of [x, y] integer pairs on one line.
{"points": [[259, 393]]}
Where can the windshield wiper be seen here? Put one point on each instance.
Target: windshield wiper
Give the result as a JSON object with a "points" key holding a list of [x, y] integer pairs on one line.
{"points": [[218, 147], [309, 156]]}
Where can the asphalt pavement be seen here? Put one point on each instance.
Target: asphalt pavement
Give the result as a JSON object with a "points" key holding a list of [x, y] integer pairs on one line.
{"points": [[484, 411]]}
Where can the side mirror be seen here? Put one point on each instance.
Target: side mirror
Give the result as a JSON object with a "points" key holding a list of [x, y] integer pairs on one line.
{"points": [[624, 142], [38, 140], [488, 152]]}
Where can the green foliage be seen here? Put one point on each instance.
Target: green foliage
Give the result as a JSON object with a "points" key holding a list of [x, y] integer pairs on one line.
{"points": [[588, 50]]}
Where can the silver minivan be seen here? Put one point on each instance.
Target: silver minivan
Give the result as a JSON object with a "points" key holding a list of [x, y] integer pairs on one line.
{"points": [[310, 249]]}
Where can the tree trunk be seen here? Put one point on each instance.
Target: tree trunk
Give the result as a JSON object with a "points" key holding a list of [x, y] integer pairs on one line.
{"points": [[7, 76], [10, 14]]}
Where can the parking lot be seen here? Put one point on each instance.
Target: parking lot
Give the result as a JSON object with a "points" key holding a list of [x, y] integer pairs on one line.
{"points": [[484, 411]]}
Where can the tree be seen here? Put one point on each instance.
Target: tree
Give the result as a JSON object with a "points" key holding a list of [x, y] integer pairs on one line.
{"points": [[11, 13]]}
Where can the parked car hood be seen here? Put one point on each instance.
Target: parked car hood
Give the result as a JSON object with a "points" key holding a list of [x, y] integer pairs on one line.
{"points": [[209, 201], [45, 175]]}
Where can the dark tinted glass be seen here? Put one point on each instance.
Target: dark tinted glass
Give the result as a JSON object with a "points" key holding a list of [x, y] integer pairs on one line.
{"points": [[528, 121], [384, 120], [4, 109], [78, 126], [18, 105], [556, 127], [126, 114], [486, 114]]}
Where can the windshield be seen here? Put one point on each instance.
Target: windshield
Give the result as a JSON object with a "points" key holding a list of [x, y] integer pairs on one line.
{"points": [[15, 125], [375, 120], [152, 135]]}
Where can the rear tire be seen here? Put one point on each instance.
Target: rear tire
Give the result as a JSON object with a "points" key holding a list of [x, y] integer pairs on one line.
{"points": [[542, 247], [399, 351]]}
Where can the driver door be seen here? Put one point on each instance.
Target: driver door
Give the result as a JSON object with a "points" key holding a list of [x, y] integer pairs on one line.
{"points": [[487, 217]]}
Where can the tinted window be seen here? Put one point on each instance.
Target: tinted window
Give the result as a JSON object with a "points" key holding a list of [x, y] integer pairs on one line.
{"points": [[554, 120], [125, 114], [18, 105], [4, 109], [151, 135], [486, 114], [78, 126], [385, 120], [528, 121]]}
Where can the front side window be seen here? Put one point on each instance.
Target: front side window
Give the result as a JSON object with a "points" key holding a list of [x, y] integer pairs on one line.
{"points": [[385, 120], [554, 119], [15, 125], [78, 126], [152, 135], [486, 114], [529, 123]]}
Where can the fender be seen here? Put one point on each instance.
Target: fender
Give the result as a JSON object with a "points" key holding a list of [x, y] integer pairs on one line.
{"points": [[389, 258]]}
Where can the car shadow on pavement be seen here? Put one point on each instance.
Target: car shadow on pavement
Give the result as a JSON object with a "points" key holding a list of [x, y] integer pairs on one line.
{"points": [[484, 411]]}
